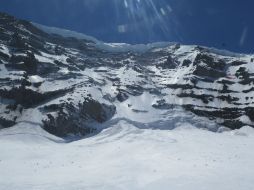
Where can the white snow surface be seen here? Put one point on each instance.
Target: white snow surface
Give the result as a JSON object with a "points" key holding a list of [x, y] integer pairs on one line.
{"points": [[35, 79], [112, 47], [140, 147], [125, 157]]}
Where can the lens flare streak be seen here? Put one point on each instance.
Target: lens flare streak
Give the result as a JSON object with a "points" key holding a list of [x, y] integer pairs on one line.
{"points": [[144, 14]]}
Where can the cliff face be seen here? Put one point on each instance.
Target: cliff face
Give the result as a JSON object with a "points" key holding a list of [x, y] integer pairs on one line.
{"points": [[71, 85]]}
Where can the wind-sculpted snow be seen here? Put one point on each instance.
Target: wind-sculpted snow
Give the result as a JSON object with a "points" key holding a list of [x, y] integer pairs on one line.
{"points": [[70, 85]]}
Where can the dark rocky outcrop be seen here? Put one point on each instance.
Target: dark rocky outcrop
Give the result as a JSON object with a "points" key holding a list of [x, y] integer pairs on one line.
{"points": [[186, 63], [170, 63], [122, 96], [26, 63], [72, 120], [29, 98], [6, 123], [163, 105], [208, 67]]}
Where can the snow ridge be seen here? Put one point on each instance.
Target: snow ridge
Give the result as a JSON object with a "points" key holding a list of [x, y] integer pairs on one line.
{"points": [[111, 47]]}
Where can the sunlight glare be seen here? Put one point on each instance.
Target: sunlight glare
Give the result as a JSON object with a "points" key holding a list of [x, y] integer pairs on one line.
{"points": [[142, 14]]}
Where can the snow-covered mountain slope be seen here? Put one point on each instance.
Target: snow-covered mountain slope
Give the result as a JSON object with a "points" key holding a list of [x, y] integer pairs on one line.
{"points": [[126, 157], [57, 86], [72, 86]]}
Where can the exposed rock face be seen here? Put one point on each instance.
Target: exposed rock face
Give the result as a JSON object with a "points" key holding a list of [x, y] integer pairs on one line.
{"points": [[28, 97], [207, 66], [65, 119], [169, 63], [70, 85]]}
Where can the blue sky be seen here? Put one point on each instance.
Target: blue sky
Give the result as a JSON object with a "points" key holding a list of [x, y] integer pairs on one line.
{"points": [[225, 24]]}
